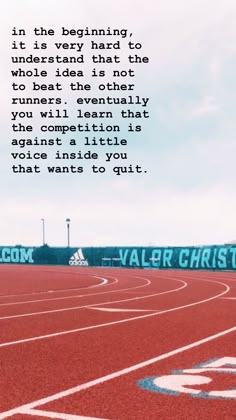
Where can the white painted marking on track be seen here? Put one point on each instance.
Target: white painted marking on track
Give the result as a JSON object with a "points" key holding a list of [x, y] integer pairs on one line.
{"points": [[123, 310], [75, 296], [61, 290], [104, 281], [121, 321], [114, 375], [53, 415], [233, 298], [93, 305], [202, 370]]}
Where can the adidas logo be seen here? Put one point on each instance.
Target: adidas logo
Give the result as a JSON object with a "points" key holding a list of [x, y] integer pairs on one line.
{"points": [[78, 258]]}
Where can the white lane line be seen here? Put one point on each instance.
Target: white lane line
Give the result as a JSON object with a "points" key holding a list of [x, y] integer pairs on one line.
{"points": [[233, 298], [113, 375], [75, 296], [123, 310], [93, 304], [103, 282], [121, 321], [53, 415], [60, 298], [70, 289]]}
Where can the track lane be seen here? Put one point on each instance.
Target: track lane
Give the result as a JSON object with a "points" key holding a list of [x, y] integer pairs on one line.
{"points": [[112, 286], [52, 292], [60, 362], [187, 294], [125, 396], [31, 282], [45, 367], [15, 308], [13, 329], [72, 321]]}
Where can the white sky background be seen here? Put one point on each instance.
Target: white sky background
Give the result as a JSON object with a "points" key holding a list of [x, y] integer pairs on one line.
{"points": [[188, 145]]}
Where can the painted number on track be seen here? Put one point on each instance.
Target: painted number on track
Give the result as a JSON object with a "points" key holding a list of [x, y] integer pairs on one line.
{"points": [[183, 381]]}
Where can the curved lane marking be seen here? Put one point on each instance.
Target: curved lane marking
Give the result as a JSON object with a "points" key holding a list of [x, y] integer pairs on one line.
{"points": [[70, 289], [23, 409], [122, 321], [75, 296], [92, 305]]}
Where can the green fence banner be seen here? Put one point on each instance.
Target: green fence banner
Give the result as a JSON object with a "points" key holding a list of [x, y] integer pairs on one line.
{"points": [[213, 257]]}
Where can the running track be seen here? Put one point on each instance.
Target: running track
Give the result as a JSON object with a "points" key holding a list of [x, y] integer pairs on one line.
{"points": [[96, 343]]}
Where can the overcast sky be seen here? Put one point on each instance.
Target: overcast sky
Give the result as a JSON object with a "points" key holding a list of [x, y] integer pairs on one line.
{"points": [[187, 146]]}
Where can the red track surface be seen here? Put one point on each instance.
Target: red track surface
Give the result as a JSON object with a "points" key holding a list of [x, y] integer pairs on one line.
{"points": [[81, 343]]}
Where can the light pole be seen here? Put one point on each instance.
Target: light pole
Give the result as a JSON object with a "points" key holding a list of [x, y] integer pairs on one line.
{"points": [[43, 221], [68, 232]]}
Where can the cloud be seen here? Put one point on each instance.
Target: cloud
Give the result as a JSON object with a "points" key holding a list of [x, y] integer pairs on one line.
{"points": [[215, 68], [162, 216], [187, 146], [207, 105]]}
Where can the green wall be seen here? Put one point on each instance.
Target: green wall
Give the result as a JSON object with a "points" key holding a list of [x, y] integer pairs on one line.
{"points": [[214, 257]]}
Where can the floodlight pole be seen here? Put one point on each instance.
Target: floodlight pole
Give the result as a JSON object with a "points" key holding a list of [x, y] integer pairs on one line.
{"points": [[68, 231], [43, 221]]}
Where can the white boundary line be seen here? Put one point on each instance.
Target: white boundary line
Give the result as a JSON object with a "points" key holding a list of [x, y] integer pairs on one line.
{"points": [[232, 298], [54, 415], [165, 274], [56, 291], [24, 409], [59, 290], [26, 340], [75, 296], [103, 282], [94, 305]]}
